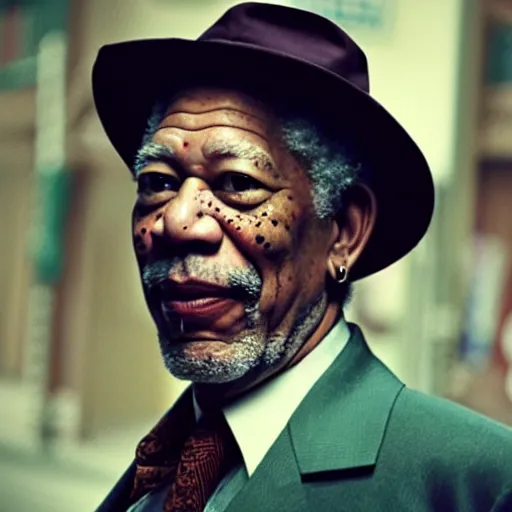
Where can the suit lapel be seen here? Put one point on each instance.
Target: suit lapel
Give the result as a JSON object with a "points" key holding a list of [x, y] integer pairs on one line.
{"points": [[341, 423], [119, 496]]}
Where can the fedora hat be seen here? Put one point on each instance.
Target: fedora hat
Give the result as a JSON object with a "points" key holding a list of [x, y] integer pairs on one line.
{"points": [[293, 54]]}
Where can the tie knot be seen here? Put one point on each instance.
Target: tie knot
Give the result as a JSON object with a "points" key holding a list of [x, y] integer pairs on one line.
{"points": [[212, 420], [212, 433]]}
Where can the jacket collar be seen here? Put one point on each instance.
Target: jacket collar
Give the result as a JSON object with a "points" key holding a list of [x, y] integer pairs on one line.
{"points": [[341, 423]]}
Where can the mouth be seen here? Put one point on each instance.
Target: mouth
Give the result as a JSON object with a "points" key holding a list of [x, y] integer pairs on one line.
{"points": [[194, 300]]}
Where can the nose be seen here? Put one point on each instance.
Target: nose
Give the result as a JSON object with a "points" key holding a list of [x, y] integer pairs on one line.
{"points": [[185, 220]]}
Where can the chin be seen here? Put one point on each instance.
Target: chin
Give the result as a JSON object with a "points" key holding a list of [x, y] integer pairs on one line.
{"points": [[212, 362], [203, 371]]}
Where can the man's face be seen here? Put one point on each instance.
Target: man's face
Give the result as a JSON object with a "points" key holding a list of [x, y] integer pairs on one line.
{"points": [[231, 253]]}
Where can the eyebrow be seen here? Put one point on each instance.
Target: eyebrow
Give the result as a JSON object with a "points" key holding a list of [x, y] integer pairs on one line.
{"points": [[151, 152], [243, 150]]}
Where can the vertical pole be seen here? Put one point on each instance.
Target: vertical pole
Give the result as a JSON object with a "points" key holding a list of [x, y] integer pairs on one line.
{"points": [[48, 220]]}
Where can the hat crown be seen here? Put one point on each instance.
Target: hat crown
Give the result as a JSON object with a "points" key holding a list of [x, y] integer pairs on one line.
{"points": [[296, 33]]}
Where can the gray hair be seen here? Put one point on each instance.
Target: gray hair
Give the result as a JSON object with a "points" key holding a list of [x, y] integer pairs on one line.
{"points": [[328, 163]]}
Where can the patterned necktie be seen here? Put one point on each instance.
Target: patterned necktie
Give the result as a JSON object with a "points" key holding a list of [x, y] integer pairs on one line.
{"points": [[195, 465]]}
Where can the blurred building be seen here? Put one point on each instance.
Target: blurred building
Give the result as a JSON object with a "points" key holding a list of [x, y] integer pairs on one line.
{"points": [[78, 352]]}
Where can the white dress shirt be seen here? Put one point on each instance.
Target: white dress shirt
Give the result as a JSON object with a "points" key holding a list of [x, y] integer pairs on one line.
{"points": [[258, 418]]}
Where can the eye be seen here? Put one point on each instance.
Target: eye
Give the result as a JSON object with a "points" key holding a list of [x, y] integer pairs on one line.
{"points": [[154, 182], [236, 183]]}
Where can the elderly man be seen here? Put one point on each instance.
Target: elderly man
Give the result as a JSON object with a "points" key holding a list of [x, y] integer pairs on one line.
{"points": [[267, 181]]}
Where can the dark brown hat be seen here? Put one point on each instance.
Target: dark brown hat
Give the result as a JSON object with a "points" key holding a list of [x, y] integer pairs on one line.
{"points": [[294, 54]]}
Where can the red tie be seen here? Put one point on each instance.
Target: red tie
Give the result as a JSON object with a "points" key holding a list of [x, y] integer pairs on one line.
{"points": [[195, 465]]}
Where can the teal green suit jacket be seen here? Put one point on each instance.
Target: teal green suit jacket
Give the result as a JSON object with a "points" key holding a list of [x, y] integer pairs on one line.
{"points": [[362, 441]]}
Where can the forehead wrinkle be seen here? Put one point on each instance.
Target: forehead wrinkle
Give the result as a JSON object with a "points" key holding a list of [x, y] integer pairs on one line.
{"points": [[171, 112], [242, 150], [208, 127]]}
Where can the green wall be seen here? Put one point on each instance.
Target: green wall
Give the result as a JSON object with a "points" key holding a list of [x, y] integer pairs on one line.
{"points": [[37, 18]]}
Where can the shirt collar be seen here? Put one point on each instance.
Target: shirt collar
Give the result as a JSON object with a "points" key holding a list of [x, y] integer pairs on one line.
{"points": [[257, 419]]}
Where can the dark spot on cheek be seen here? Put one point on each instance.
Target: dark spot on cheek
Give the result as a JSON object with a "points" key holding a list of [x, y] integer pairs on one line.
{"points": [[238, 228], [209, 204], [143, 231], [274, 222], [185, 144], [264, 214], [230, 221], [290, 198], [290, 279], [259, 239], [267, 245], [159, 216], [287, 227], [217, 209], [258, 224], [185, 228], [200, 214]]}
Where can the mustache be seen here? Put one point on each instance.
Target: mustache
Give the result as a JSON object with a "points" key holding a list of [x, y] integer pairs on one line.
{"points": [[155, 273], [244, 280]]}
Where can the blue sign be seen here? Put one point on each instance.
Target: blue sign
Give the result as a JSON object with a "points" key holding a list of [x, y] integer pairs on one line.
{"points": [[361, 13]]}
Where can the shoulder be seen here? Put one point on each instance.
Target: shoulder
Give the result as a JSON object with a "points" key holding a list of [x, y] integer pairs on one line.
{"points": [[451, 454], [450, 437], [440, 419]]}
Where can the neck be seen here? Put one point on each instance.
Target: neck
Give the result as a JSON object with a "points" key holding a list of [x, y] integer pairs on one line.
{"points": [[331, 316]]}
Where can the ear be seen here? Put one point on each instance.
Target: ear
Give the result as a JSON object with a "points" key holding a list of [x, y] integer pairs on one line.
{"points": [[352, 228]]}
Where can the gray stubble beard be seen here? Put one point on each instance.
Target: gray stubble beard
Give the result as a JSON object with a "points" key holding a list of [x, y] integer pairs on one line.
{"points": [[255, 352]]}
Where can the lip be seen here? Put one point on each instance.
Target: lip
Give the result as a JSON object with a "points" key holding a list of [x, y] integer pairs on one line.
{"points": [[199, 312], [198, 301], [191, 290]]}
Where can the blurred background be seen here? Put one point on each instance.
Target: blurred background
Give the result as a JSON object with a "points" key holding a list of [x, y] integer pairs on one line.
{"points": [[80, 373]]}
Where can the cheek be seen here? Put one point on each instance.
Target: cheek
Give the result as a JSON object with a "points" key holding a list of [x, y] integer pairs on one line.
{"points": [[295, 241], [265, 233], [273, 236], [279, 227], [141, 233]]}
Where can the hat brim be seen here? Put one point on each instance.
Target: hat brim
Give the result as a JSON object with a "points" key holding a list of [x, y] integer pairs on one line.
{"points": [[126, 81]]}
